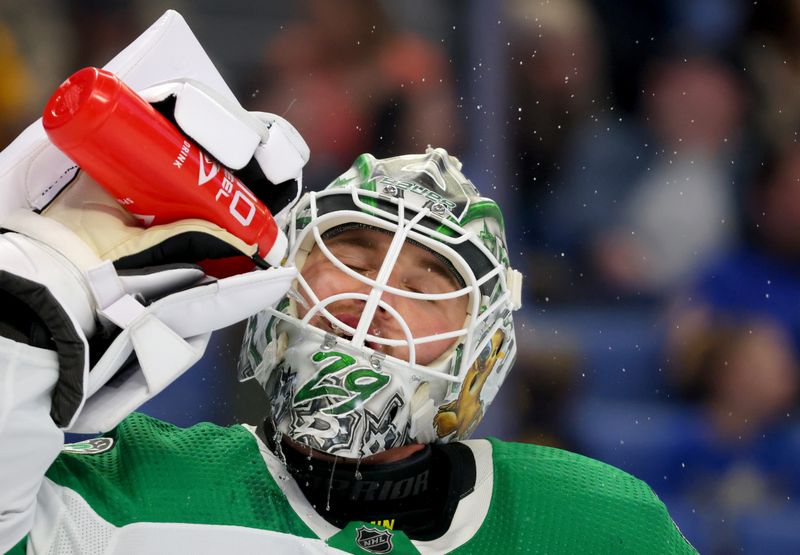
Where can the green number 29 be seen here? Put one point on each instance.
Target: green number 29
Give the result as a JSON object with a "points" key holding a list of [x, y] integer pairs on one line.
{"points": [[359, 384]]}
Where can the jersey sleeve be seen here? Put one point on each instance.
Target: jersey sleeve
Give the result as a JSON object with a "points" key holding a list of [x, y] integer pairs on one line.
{"points": [[554, 501], [30, 439]]}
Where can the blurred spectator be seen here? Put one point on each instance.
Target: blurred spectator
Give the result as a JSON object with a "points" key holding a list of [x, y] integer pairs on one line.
{"points": [[708, 26], [760, 276], [351, 83], [744, 373], [638, 31], [737, 455], [646, 203], [734, 348], [683, 209], [772, 54], [556, 83]]}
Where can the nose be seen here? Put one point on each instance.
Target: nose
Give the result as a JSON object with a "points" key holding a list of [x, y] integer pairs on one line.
{"points": [[396, 301]]}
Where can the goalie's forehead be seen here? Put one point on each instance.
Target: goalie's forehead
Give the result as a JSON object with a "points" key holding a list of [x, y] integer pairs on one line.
{"points": [[373, 190], [432, 179]]}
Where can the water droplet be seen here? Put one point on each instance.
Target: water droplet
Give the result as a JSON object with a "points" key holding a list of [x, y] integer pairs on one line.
{"points": [[330, 483]]}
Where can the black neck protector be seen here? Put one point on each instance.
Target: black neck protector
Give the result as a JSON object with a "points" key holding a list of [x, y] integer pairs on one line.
{"points": [[417, 495]]}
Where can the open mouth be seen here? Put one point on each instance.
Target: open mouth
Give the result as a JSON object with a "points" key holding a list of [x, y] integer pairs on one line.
{"points": [[338, 332], [347, 319], [352, 321]]}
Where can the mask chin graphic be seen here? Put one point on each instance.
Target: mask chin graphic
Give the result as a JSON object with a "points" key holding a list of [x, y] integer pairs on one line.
{"points": [[338, 399]]}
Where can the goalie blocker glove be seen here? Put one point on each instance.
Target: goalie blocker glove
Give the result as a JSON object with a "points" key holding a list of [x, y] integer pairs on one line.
{"points": [[94, 280]]}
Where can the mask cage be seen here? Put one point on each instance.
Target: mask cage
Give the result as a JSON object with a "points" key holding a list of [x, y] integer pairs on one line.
{"points": [[330, 208]]}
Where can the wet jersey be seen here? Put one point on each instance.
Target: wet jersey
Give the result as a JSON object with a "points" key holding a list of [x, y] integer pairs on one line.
{"points": [[151, 487]]}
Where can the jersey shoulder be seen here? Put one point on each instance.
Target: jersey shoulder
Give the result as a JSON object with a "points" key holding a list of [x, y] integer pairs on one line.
{"points": [[573, 504], [153, 471]]}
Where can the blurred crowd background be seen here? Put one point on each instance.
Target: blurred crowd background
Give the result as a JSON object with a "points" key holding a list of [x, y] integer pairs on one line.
{"points": [[647, 157]]}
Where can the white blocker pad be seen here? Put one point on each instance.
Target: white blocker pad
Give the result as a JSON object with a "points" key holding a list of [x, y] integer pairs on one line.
{"points": [[169, 337]]}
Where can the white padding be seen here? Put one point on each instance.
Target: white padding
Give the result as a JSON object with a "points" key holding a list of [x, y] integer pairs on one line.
{"points": [[225, 302], [162, 91], [157, 337], [28, 435], [514, 284], [113, 402], [33, 260], [105, 284], [223, 128], [160, 352], [123, 311], [53, 234], [154, 284], [278, 251], [285, 152]]}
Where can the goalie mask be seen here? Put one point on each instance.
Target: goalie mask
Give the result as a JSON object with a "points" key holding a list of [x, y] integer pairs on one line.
{"points": [[399, 328]]}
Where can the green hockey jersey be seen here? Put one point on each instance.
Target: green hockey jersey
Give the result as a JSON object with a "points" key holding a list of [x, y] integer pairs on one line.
{"points": [[152, 487]]}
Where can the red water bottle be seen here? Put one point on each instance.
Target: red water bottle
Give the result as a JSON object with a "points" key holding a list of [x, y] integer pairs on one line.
{"points": [[152, 169]]}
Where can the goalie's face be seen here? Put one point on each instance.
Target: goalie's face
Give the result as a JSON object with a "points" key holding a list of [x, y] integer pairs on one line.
{"points": [[404, 299], [416, 270]]}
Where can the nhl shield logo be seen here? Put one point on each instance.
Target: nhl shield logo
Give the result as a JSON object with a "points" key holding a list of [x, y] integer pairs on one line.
{"points": [[374, 540]]}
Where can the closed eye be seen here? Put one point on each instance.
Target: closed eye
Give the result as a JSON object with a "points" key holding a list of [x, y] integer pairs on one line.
{"points": [[421, 290], [359, 269]]}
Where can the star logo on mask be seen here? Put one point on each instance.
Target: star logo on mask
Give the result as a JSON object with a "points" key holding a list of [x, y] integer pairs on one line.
{"points": [[323, 431]]}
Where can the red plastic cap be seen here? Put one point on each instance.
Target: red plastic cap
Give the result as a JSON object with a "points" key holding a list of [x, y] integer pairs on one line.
{"points": [[80, 105]]}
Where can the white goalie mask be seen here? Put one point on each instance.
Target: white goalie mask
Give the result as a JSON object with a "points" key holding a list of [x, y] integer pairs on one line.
{"points": [[399, 328]]}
